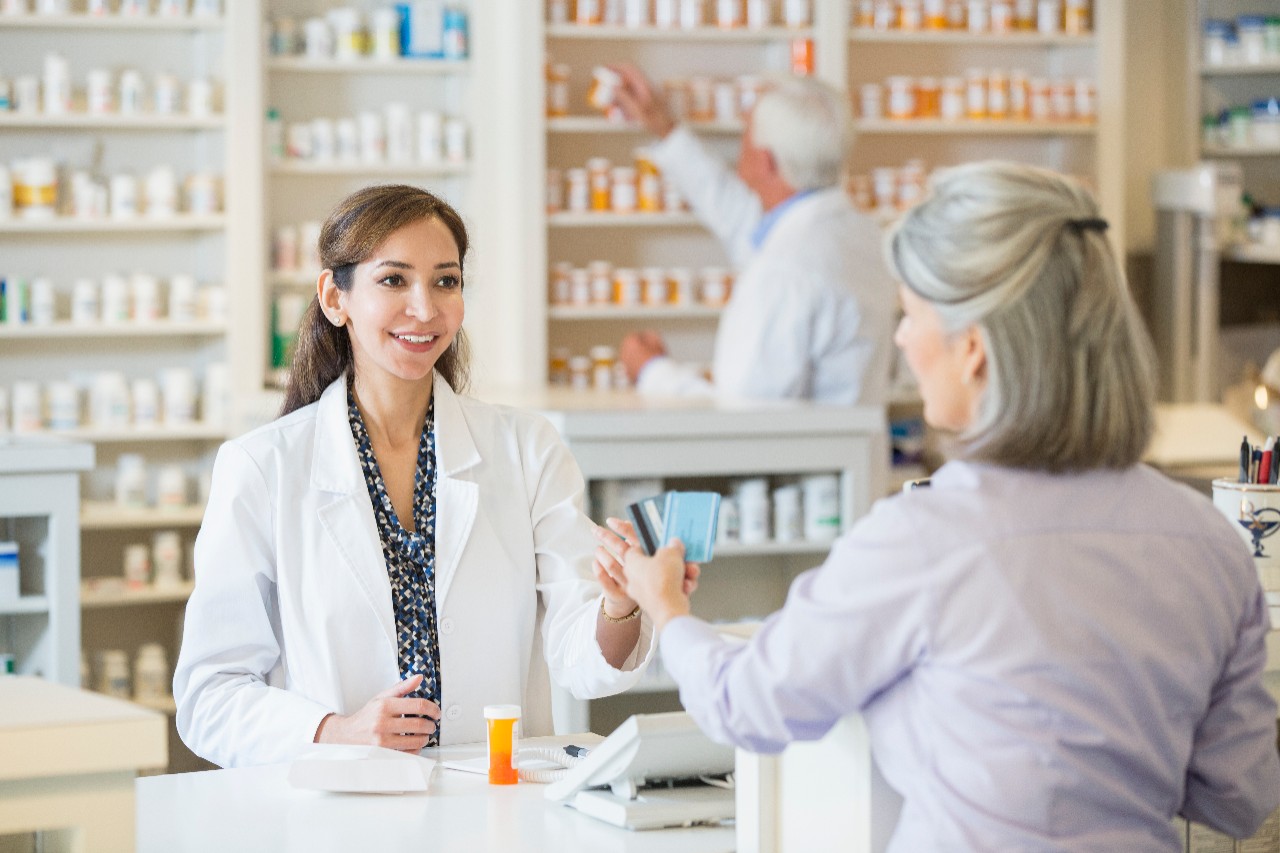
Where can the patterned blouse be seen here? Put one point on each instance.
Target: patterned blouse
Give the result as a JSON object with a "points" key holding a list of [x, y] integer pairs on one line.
{"points": [[410, 556]]}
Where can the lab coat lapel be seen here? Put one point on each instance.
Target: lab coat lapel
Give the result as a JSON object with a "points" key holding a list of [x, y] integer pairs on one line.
{"points": [[457, 499], [344, 512]]}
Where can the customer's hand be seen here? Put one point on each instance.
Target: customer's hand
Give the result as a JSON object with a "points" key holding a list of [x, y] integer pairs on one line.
{"points": [[392, 719], [641, 101], [638, 349], [660, 584], [617, 542]]}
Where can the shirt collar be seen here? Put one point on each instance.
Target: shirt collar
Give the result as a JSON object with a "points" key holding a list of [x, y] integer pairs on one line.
{"points": [[771, 217]]}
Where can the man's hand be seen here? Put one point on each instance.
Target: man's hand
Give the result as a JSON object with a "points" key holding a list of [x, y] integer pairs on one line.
{"points": [[638, 349], [641, 102]]}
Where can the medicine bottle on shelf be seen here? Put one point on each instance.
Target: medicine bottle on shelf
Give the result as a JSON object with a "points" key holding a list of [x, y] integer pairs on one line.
{"points": [[602, 360]]}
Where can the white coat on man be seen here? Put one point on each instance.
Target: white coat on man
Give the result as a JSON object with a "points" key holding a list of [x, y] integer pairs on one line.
{"points": [[812, 310], [291, 618]]}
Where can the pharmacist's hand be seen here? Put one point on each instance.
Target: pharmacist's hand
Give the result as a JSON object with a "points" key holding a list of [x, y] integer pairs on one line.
{"points": [[660, 584], [392, 719], [641, 102], [608, 568], [619, 540], [638, 349]]}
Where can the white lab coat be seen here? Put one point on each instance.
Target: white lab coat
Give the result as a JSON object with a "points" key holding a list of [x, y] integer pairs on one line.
{"points": [[812, 310], [291, 617]]}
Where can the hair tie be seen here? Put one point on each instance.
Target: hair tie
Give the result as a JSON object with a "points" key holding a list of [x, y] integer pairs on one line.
{"points": [[1080, 226]]}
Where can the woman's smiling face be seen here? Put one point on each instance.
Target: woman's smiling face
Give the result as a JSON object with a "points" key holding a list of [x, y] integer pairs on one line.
{"points": [[404, 307]]}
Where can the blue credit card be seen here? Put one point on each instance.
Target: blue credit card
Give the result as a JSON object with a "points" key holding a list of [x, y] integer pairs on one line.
{"points": [[688, 516]]}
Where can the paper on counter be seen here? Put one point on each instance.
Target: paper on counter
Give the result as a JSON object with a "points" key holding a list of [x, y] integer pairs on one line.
{"points": [[353, 769]]}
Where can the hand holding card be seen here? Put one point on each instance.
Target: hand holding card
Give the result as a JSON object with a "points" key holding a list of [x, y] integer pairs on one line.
{"points": [[687, 516]]}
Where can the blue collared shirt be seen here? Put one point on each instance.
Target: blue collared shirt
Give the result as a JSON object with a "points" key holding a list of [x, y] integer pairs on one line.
{"points": [[771, 217]]}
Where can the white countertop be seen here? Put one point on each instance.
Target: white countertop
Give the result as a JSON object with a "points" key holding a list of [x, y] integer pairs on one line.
{"points": [[255, 809], [49, 729]]}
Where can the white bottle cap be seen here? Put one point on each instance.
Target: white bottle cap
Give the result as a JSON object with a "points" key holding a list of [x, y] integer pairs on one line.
{"points": [[502, 712]]}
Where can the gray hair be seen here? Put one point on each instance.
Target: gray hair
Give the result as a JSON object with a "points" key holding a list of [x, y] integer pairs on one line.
{"points": [[805, 124], [1021, 254]]}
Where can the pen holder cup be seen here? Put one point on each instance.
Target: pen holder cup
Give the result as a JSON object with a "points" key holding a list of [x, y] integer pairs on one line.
{"points": [[1254, 512]]}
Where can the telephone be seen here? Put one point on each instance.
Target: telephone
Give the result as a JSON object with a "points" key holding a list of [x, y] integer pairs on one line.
{"points": [[655, 770]]}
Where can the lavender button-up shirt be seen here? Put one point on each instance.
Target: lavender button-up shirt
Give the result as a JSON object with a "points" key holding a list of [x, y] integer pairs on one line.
{"points": [[1044, 662]]}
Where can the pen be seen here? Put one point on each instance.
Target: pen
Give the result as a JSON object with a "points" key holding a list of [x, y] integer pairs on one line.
{"points": [[1268, 452], [1245, 455], [1255, 465], [1275, 464], [577, 751]]}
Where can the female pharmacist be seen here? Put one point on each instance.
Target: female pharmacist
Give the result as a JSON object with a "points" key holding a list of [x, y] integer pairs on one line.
{"points": [[1054, 647], [389, 556]]}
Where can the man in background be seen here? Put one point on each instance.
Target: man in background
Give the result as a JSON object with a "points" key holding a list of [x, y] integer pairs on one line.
{"points": [[812, 309]]}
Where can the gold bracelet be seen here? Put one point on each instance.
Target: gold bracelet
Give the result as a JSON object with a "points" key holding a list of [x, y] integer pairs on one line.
{"points": [[615, 619]]}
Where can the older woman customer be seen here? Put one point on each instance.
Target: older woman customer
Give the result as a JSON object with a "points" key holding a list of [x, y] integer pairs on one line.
{"points": [[1054, 647]]}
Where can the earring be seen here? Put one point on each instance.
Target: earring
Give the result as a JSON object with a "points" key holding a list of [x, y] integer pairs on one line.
{"points": [[335, 319]]}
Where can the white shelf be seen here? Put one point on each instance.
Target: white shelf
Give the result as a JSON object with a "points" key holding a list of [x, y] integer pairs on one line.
{"points": [[123, 596], [158, 329], [975, 127], [963, 37], [566, 219], [339, 167], [107, 22], [105, 515], [25, 604], [704, 33], [1272, 67], [111, 121], [398, 65], [634, 312], [165, 704], [1240, 150], [770, 549], [141, 225], [1253, 254], [599, 124], [142, 435]]}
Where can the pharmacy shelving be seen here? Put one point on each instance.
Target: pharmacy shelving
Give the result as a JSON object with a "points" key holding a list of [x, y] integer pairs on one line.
{"points": [[1013, 40], [1253, 254], [109, 23], [632, 313], [565, 219], [123, 331], [300, 65], [143, 435], [638, 240], [939, 127], [39, 508], [1213, 88], [740, 35], [1241, 69], [1092, 149], [373, 170], [107, 515], [65, 249], [592, 124], [141, 225], [111, 121], [94, 597], [298, 190], [1210, 90], [1232, 151]]}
